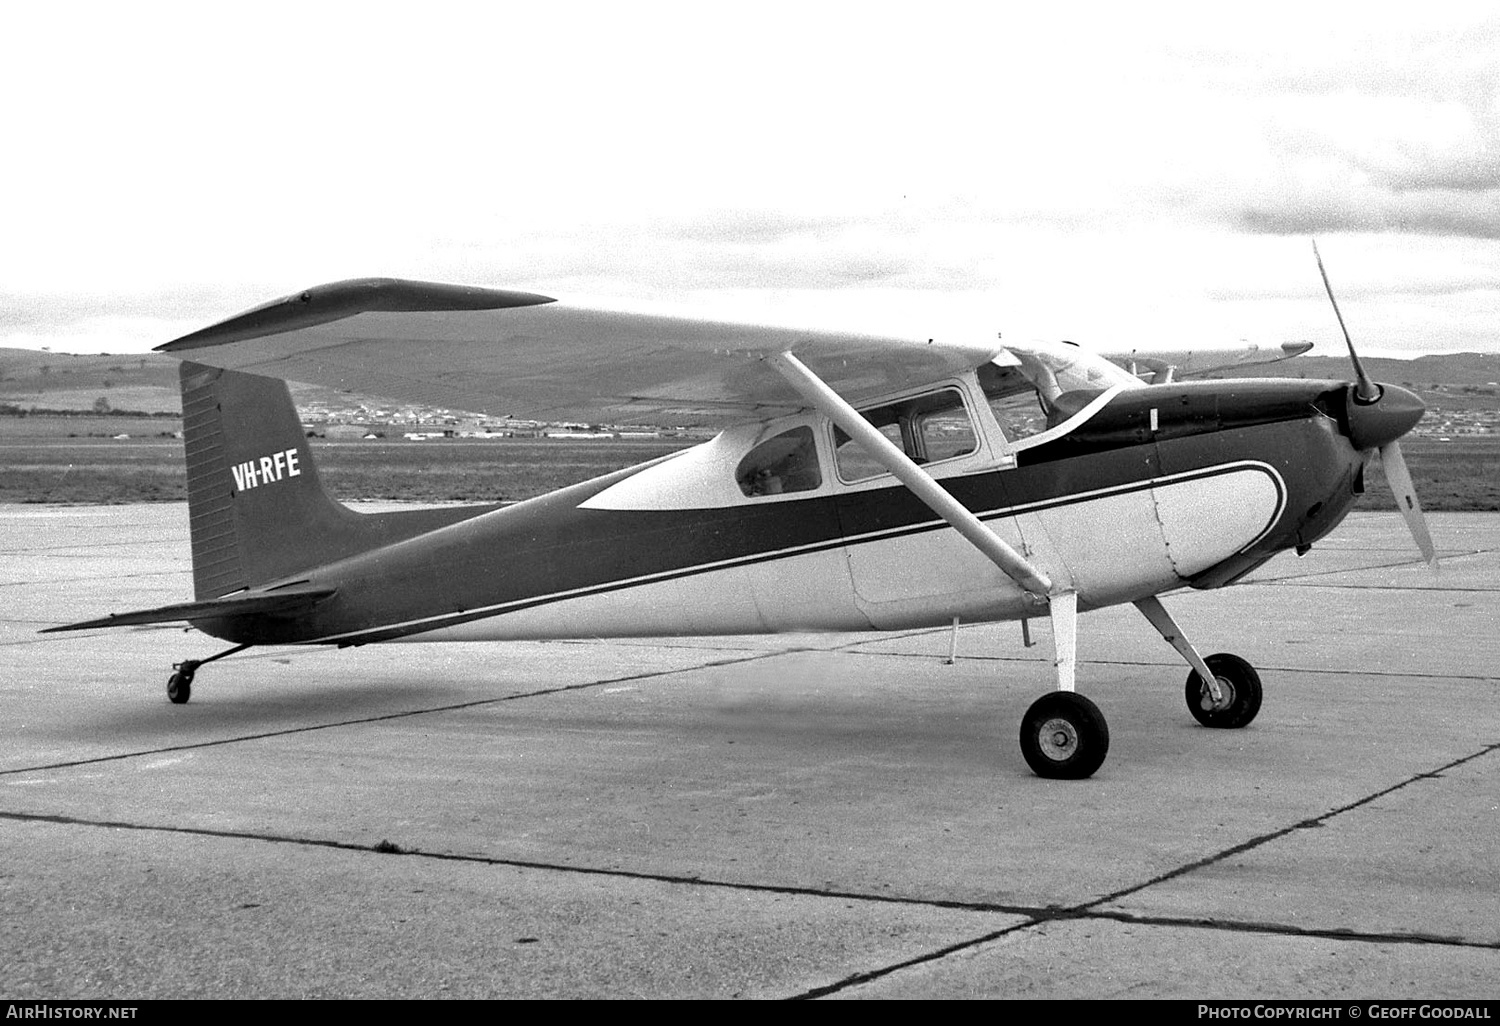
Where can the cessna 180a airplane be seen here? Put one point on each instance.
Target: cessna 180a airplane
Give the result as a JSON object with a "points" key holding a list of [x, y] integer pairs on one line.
{"points": [[859, 482]]}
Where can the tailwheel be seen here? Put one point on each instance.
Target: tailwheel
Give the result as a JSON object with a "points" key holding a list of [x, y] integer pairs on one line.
{"points": [[1239, 686], [180, 684], [1064, 736]]}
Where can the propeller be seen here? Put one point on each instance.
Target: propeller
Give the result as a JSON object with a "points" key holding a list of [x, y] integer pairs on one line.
{"points": [[1378, 416], [1399, 479]]}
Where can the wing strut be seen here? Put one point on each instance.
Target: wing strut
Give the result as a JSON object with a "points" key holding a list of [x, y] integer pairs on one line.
{"points": [[832, 405]]}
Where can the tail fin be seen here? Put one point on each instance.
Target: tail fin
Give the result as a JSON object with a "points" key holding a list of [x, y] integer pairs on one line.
{"points": [[257, 510]]}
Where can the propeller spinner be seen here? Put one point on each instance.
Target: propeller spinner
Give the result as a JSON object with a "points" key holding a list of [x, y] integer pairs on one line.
{"points": [[1378, 416]]}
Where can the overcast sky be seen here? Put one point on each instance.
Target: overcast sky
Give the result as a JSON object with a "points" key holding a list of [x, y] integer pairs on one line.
{"points": [[1115, 174]]}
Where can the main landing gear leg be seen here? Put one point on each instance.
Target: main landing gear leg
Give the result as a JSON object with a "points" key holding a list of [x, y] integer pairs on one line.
{"points": [[1063, 734], [180, 684], [1223, 690]]}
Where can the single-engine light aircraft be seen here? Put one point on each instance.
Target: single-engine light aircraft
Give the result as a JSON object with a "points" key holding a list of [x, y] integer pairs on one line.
{"points": [[858, 482]]}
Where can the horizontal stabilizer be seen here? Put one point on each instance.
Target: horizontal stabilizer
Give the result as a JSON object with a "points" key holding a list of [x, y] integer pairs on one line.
{"points": [[280, 601]]}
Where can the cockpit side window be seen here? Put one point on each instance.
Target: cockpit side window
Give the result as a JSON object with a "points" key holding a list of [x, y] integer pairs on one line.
{"points": [[928, 428], [783, 463], [1016, 403]]}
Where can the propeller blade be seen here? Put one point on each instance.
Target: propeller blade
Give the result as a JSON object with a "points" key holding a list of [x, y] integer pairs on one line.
{"points": [[1394, 465], [1367, 390]]}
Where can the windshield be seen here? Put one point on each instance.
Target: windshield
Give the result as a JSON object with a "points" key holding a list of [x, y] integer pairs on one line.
{"points": [[1060, 367], [1046, 383]]}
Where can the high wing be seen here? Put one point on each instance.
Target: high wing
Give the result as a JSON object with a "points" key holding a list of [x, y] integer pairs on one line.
{"points": [[506, 353], [1163, 366]]}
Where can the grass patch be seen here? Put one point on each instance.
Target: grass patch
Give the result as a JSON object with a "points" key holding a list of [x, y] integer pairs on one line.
{"points": [[55, 468], [1453, 476]]}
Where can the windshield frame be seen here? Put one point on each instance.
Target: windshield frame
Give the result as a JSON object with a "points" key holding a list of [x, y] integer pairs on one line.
{"points": [[1059, 370]]}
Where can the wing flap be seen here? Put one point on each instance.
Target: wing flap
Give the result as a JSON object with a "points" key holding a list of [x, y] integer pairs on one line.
{"points": [[281, 601]]}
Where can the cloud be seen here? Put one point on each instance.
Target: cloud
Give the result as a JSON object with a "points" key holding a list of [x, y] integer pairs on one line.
{"points": [[1434, 53], [1468, 172], [1426, 212], [53, 312], [746, 226], [1344, 162], [1396, 283]]}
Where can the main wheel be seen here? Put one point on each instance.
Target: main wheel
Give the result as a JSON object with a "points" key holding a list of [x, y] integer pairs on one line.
{"points": [[1240, 685], [1064, 736], [180, 684]]}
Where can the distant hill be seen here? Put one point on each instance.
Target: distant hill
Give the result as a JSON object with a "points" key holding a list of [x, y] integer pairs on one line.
{"points": [[141, 381], [1447, 369], [66, 381]]}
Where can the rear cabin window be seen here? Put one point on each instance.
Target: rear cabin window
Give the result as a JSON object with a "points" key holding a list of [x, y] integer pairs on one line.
{"points": [[929, 429], [783, 463]]}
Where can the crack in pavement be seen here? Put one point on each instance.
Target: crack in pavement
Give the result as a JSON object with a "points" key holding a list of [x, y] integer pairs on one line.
{"points": [[1292, 578], [1090, 910], [404, 714], [1033, 915]]}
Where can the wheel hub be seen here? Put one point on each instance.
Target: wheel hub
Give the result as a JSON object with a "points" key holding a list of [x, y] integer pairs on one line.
{"points": [[1206, 697], [1058, 739]]}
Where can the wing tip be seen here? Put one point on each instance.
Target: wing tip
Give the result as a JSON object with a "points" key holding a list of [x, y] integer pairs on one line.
{"points": [[323, 304]]}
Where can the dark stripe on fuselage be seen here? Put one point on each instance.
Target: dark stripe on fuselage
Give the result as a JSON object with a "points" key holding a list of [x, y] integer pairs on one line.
{"points": [[1144, 484]]}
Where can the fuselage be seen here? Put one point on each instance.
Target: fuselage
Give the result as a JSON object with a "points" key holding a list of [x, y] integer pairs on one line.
{"points": [[1141, 491]]}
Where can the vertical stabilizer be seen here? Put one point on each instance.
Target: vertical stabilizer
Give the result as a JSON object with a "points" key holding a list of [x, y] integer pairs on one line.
{"points": [[257, 510]]}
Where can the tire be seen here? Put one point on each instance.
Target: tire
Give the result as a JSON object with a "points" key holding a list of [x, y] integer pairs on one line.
{"points": [[1242, 693], [1064, 736], [180, 686]]}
